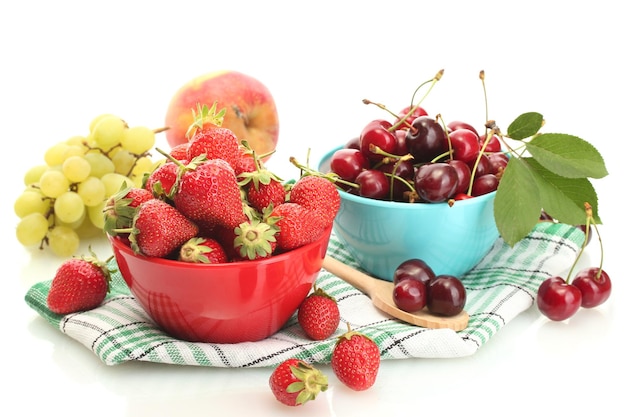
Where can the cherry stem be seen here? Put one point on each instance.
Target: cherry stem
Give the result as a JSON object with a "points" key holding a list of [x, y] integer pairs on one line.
{"points": [[481, 75], [589, 220], [432, 82], [383, 107], [330, 177]]}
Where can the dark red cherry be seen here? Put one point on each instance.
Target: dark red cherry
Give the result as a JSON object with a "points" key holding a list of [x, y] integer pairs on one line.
{"points": [[414, 268], [436, 182], [464, 145], [464, 173], [396, 170], [498, 161], [426, 139], [558, 300], [484, 166], [446, 296], [401, 146], [594, 285], [354, 143], [419, 111], [485, 184], [494, 144], [373, 183], [410, 295], [348, 163]]}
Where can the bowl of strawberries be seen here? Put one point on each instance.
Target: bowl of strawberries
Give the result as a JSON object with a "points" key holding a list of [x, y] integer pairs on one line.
{"points": [[214, 246]]}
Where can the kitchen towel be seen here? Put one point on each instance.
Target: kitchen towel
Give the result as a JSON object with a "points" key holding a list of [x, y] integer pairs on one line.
{"points": [[501, 286]]}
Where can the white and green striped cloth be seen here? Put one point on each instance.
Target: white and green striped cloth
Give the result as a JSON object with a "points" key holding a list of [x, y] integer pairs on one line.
{"points": [[500, 287]]}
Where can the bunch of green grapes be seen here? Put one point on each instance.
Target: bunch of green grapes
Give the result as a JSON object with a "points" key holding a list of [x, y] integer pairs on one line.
{"points": [[64, 197]]}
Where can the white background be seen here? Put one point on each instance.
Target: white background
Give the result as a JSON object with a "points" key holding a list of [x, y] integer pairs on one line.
{"points": [[65, 62]]}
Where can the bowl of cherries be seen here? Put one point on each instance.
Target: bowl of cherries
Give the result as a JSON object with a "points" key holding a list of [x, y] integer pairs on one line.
{"points": [[416, 188]]}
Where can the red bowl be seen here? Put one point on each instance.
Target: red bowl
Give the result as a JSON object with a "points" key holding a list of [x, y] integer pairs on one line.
{"points": [[221, 303]]}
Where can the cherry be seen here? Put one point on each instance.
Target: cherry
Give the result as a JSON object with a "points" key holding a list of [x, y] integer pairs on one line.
{"points": [[436, 182], [399, 169], [498, 161], [426, 139], [558, 300], [464, 144], [376, 133], [354, 143], [410, 295], [464, 173], [348, 163], [417, 113], [456, 124], [494, 145], [401, 146], [373, 183], [446, 295], [594, 285], [484, 165], [415, 269], [485, 184]]}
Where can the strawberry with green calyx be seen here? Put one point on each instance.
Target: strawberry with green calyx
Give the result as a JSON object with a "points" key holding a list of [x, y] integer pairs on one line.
{"points": [[205, 118], [294, 382], [79, 284], [318, 315], [120, 209], [255, 239], [202, 250], [159, 229], [162, 180], [355, 360], [263, 187]]}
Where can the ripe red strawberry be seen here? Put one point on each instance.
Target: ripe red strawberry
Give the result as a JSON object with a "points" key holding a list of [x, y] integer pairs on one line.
{"points": [[202, 250], [159, 229], [161, 181], [246, 161], [317, 194], [208, 192], [297, 225], [355, 360], [120, 208], [79, 284], [294, 382], [263, 193], [218, 142], [179, 152], [318, 315]]}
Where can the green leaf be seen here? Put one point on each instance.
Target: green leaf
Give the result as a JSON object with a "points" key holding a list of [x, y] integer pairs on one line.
{"points": [[567, 155], [526, 125], [564, 198], [517, 205]]}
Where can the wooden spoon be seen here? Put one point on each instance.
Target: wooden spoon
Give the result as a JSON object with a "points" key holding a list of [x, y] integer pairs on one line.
{"points": [[380, 292]]}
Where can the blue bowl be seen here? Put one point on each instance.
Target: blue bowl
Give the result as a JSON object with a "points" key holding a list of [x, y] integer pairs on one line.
{"points": [[380, 235]]}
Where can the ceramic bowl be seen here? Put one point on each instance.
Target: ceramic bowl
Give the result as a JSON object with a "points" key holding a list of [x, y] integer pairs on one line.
{"points": [[380, 235], [221, 303]]}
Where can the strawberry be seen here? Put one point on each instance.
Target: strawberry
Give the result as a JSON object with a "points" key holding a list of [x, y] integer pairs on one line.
{"points": [[215, 143], [162, 180], [318, 315], [79, 284], [179, 151], [202, 250], [255, 239], [317, 194], [263, 189], [119, 210], [297, 225], [294, 382], [205, 118], [355, 360], [159, 229], [208, 192]]}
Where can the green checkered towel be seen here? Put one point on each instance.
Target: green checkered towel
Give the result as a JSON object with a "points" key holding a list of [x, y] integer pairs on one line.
{"points": [[500, 287]]}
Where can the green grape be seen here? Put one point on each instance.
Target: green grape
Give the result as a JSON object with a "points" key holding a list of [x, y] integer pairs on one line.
{"points": [[138, 139], [56, 154], [108, 131], [31, 201], [31, 229], [63, 241], [69, 207], [87, 229], [33, 174], [76, 168], [53, 183], [73, 150], [144, 165], [79, 141], [96, 216], [123, 161], [100, 164], [91, 191], [96, 119], [113, 183], [73, 225]]}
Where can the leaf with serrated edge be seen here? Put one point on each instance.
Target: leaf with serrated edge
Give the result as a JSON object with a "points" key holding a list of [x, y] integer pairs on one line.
{"points": [[564, 198], [517, 203], [567, 155], [525, 126]]}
